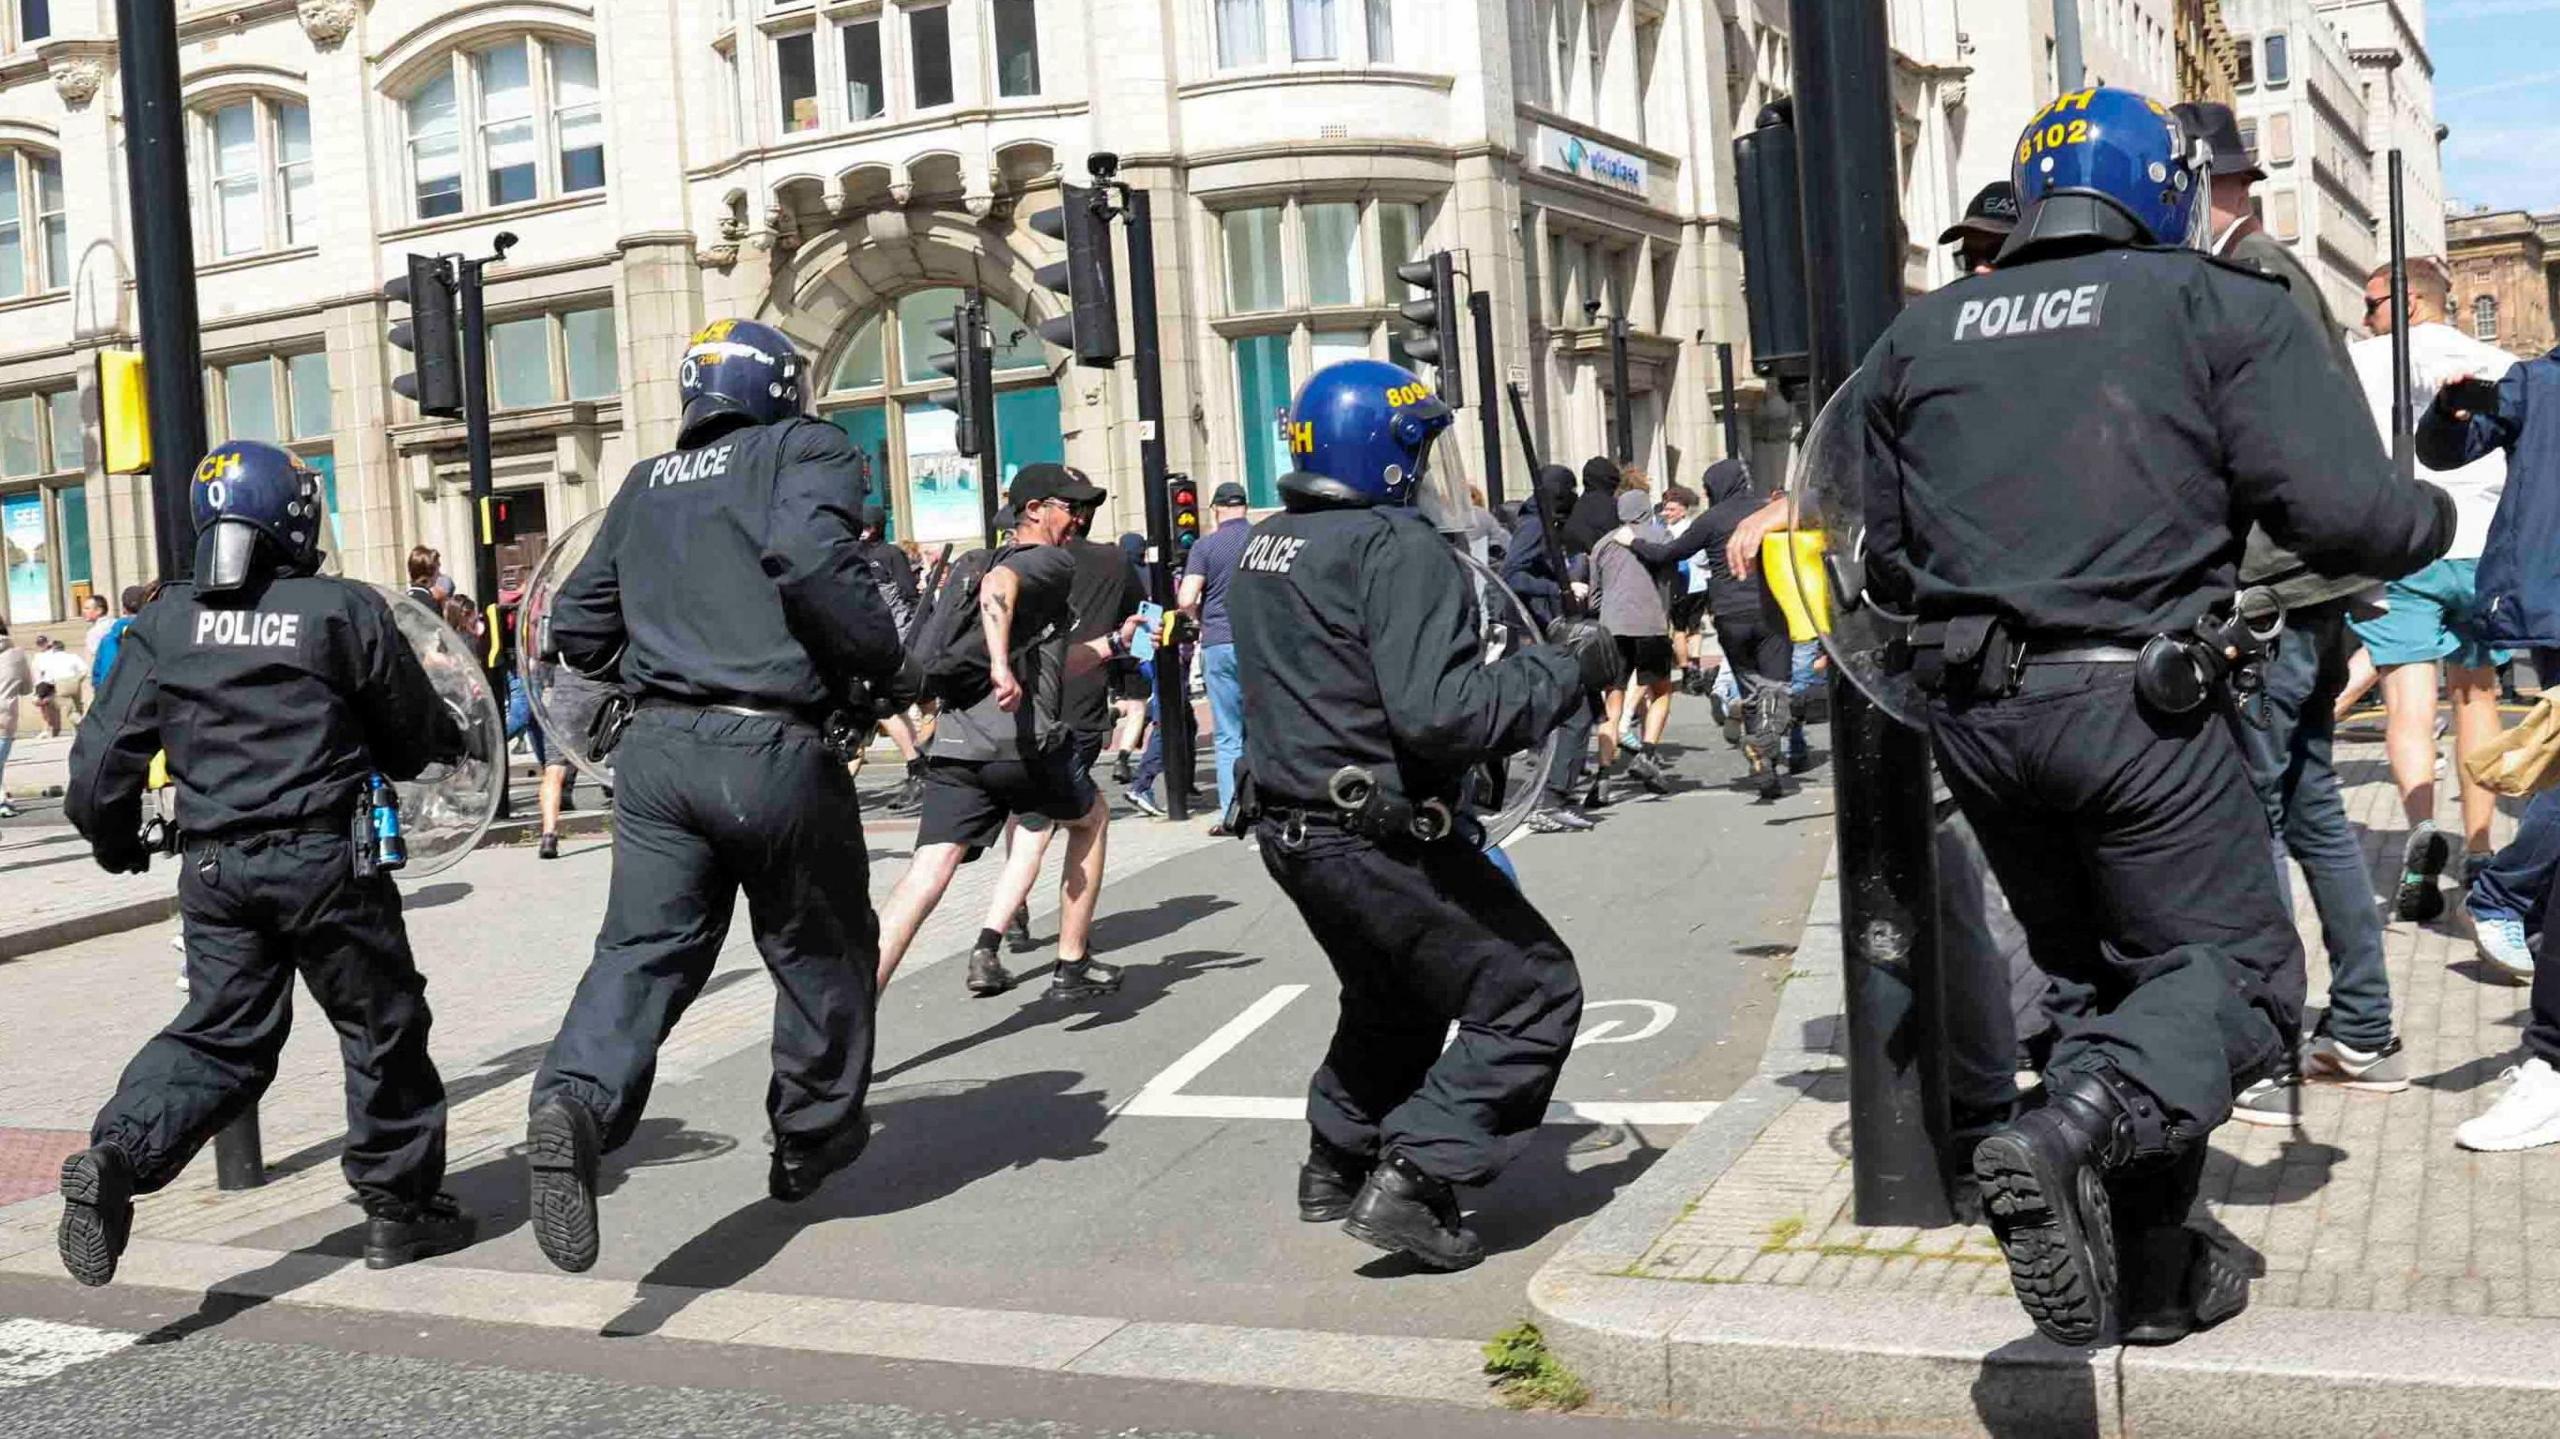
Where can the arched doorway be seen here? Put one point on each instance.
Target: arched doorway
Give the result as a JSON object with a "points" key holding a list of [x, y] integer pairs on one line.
{"points": [[881, 392]]}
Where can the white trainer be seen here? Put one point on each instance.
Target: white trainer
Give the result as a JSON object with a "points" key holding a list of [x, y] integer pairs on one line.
{"points": [[2527, 1116]]}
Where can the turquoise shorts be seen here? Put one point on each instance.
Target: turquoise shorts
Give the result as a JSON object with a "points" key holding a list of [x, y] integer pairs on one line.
{"points": [[2435, 615]]}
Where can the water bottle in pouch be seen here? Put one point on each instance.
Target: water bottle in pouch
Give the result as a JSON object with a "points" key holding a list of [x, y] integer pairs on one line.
{"points": [[390, 850]]}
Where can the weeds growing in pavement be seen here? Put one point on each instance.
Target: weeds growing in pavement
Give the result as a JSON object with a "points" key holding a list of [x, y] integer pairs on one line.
{"points": [[1527, 1376]]}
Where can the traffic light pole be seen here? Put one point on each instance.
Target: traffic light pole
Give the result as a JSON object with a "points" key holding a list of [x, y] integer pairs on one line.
{"points": [[475, 430], [164, 271], [1173, 708], [1886, 823], [1622, 404], [981, 381], [1488, 408]]}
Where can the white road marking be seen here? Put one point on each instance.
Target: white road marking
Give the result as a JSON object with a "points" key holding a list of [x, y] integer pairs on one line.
{"points": [[34, 1350], [1162, 1097], [1658, 1017]]}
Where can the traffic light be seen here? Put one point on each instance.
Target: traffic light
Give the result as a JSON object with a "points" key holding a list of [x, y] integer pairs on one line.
{"points": [[971, 364], [428, 333], [1182, 497], [1091, 326], [1437, 343], [1773, 258]]}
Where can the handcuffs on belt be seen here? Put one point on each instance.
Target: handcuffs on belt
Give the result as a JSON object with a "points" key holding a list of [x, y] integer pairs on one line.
{"points": [[2177, 672], [1361, 806]]}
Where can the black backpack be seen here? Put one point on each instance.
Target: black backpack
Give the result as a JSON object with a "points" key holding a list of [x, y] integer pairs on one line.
{"points": [[949, 643]]}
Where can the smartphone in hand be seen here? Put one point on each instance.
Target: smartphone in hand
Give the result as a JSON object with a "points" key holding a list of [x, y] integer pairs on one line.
{"points": [[1142, 646], [2475, 396]]}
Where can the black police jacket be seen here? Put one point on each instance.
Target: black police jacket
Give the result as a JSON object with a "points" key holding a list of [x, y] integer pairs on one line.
{"points": [[2078, 443], [274, 705], [1357, 644], [734, 572]]}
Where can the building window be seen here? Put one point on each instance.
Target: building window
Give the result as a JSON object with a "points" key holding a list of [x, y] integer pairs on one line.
{"points": [[2249, 136], [1311, 31], [2280, 138], [543, 359], [2284, 215], [1567, 15], [35, 244], [2279, 68], [528, 110], [1239, 32], [1263, 388], [2244, 70], [866, 92], [1333, 255], [1382, 32], [254, 161], [884, 394], [44, 506], [929, 46], [795, 63], [2484, 318], [1017, 48], [1253, 260]]}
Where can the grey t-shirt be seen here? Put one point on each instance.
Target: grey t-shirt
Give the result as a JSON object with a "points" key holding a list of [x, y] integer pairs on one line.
{"points": [[1043, 623]]}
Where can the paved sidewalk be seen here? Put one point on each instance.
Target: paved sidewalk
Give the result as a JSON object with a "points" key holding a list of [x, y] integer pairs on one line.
{"points": [[1730, 1285]]}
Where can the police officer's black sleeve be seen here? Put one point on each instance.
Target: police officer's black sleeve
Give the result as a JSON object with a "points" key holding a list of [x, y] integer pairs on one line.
{"points": [[406, 724], [2303, 455], [111, 753], [813, 553], [2445, 443], [586, 625], [1442, 700]]}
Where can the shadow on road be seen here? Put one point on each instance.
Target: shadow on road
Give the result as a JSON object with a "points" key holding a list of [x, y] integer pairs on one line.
{"points": [[1141, 984], [435, 894], [928, 1141], [1537, 1195]]}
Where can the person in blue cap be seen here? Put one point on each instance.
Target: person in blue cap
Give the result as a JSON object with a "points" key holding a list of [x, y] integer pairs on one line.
{"points": [[1367, 701]]}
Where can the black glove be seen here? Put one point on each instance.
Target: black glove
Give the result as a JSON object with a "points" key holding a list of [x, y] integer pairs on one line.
{"points": [[899, 690], [122, 857], [1593, 649]]}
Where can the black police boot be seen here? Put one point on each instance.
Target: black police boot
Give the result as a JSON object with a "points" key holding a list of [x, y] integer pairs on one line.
{"points": [[987, 975], [397, 1234], [2043, 1178], [800, 1167], [97, 1212], [1405, 1211], [562, 1146], [2177, 1282], [1329, 1181], [1083, 978]]}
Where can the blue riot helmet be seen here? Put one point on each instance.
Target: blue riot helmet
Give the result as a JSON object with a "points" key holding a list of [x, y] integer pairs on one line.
{"points": [[737, 368], [2110, 166], [1360, 434], [257, 513]]}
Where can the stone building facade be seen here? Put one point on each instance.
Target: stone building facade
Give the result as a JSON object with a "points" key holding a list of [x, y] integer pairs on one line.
{"points": [[2506, 278]]}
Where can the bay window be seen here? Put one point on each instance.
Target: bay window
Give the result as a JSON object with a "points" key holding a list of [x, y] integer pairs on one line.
{"points": [[504, 124]]}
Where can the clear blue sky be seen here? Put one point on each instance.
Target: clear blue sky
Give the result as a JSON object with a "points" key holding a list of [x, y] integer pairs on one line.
{"points": [[2498, 87]]}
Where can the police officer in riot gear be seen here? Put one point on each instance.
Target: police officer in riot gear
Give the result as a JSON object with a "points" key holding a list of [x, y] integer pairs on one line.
{"points": [[728, 590], [1369, 699], [276, 692], [2061, 458]]}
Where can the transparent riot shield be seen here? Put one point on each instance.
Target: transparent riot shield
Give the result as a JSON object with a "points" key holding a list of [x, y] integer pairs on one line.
{"points": [[448, 807], [1501, 793], [1817, 570], [564, 702]]}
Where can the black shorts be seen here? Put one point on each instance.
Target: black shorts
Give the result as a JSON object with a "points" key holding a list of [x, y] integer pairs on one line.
{"points": [[1648, 656], [1689, 612], [1129, 681], [966, 802], [1087, 750]]}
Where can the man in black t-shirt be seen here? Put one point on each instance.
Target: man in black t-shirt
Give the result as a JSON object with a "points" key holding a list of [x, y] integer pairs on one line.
{"points": [[1104, 593], [1013, 753]]}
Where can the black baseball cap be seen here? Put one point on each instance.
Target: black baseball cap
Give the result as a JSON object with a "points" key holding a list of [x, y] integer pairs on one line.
{"points": [[2214, 124], [1228, 494], [1045, 481], [1992, 215]]}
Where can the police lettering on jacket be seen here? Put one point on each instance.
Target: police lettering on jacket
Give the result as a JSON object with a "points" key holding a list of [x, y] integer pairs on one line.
{"points": [[685, 466], [2077, 307], [255, 628], [1272, 554]]}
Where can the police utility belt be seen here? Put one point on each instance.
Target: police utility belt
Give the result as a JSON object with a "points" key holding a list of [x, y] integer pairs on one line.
{"points": [[1358, 805], [1982, 657], [842, 731]]}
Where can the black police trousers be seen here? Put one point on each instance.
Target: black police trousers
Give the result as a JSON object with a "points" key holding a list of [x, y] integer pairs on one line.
{"points": [[2134, 853], [707, 804], [257, 908], [1421, 936]]}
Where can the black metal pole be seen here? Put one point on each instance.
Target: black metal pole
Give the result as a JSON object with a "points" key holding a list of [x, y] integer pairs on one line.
{"points": [[475, 432], [1488, 410], [1888, 874], [1732, 414], [1173, 708], [978, 360], [2404, 445], [164, 245], [1622, 404], [155, 154]]}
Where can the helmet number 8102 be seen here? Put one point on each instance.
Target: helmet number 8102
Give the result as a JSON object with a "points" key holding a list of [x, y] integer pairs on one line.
{"points": [[2054, 137]]}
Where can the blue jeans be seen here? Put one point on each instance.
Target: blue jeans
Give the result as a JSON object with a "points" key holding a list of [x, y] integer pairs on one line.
{"points": [[2516, 884], [2289, 765], [1226, 711]]}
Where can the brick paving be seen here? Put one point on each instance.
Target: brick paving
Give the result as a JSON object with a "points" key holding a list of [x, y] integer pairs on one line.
{"points": [[2367, 1207], [31, 1160]]}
